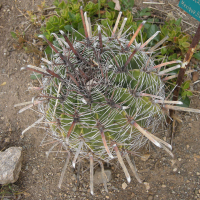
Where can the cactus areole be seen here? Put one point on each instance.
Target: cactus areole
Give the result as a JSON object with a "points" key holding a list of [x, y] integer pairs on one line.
{"points": [[102, 97]]}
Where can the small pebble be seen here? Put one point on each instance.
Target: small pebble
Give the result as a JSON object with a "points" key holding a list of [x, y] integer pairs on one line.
{"points": [[175, 169], [179, 159], [198, 173], [147, 186], [5, 52], [124, 185], [163, 186], [34, 171]]}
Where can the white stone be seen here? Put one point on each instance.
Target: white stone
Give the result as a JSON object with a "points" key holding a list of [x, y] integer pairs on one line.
{"points": [[175, 169], [10, 165], [124, 185], [147, 186]]}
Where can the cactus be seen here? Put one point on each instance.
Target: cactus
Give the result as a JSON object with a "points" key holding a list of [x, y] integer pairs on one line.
{"points": [[102, 98]]}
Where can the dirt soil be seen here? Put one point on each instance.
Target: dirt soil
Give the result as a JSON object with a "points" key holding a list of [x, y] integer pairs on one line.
{"points": [[164, 177]]}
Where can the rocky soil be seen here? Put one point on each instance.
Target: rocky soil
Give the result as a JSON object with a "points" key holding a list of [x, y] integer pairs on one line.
{"points": [[164, 177]]}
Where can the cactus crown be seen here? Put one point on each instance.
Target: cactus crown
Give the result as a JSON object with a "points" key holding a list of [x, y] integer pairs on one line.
{"points": [[102, 97]]}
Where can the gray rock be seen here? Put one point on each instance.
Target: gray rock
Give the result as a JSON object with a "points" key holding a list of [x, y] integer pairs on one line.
{"points": [[74, 189], [98, 176], [10, 165]]}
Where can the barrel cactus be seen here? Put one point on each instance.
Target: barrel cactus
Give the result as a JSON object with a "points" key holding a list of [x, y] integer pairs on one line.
{"points": [[102, 98]]}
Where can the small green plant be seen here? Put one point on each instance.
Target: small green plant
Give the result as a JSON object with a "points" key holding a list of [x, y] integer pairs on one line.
{"points": [[7, 191], [144, 12], [126, 5], [178, 42], [69, 18], [197, 55], [185, 93]]}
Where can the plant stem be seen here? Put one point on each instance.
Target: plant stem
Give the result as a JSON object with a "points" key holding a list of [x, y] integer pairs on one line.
{"points": [[183, 68]]}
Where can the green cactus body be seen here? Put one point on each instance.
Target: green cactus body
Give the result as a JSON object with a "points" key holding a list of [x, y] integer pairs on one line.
{"points": [[102, 98], [98, 106]]}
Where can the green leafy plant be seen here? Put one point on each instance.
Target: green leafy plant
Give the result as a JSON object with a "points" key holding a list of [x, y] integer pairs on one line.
{"points": [[144, 12], [178, 42], [68, 16], [126, 5], [7, 190], [197, 55], [185, 93]]}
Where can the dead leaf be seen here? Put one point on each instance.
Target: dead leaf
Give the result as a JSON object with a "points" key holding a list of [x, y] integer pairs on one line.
{"points": [[18, 46], [117, 5], [145, 157], [21, 40], [3, 84], [195, 76], [102, 12]]}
